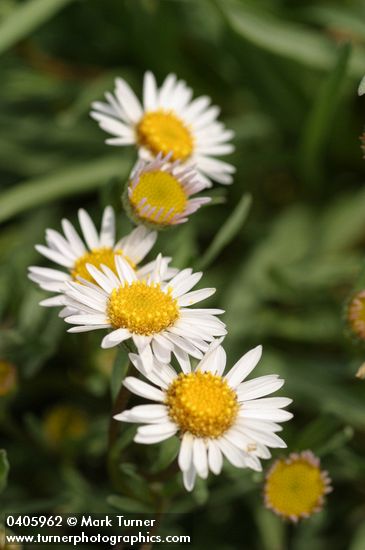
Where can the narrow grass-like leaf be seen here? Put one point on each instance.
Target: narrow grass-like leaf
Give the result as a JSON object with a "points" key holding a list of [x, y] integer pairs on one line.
{"points": [[26, 18], [73, 181], [284, 38], [227, 232], [119, 371], [321, 116]]}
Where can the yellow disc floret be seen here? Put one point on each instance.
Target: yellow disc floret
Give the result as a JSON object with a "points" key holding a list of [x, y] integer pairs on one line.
{"points": [[295, 487], [202, 404], [356, 314], [97, 256], [142, 308], [163, 132], [161, 191]]}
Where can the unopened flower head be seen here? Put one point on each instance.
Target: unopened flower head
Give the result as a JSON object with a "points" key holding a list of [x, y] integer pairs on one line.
{"points": [[215, 415], [158, 193], [73, 254], [168, 122], [356, 315], [295, 487], [154, 313]]}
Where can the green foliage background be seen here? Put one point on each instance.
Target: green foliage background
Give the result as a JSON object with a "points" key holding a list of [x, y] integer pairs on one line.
{"points": [[285, 74]]}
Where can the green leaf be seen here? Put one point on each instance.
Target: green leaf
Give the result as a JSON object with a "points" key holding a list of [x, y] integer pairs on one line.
{"points": [[120, 368], [167, 453], [358, 540], [343, 223], [280, 37], [73, 181], [271, 529], [4, 469], [320, 118], [26, 18], [227, 232]]}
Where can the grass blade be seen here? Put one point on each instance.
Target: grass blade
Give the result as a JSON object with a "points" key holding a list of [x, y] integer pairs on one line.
{"points": [[227, 232], [73, 181], [321, 116], [26, 18]]}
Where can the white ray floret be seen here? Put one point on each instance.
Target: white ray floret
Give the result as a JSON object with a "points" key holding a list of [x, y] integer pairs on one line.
{"points": [[156, 314], [216, 416], [168, 121], [71, 253]]}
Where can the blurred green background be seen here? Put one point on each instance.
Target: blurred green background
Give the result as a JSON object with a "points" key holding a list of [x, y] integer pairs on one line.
{"points": [[285, 74]]}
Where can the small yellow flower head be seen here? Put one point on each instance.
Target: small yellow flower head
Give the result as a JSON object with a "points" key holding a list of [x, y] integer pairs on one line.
{"points": [[158, 193], [65, 424], [356, 315], [8, 378], [295, 487]]}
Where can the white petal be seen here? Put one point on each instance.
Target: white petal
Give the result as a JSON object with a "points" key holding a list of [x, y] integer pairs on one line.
{"points": [[161, 352], [183, 359], [258, 387], [128, 100], [213, 361], [87, 328], [114, 338], [185, 285], [102, 280], [73, 238], [96, 319], [54, 256], [200, 459], [189, 478], [232, 453], [143, 413], [268, 402], [196, 296], [274, 415], [88, 230], [215, 459], [46, 273], [149, 92], [186, 452], [244, 366], [53, 302], [143, 389], [125, 271], [107, 233]]}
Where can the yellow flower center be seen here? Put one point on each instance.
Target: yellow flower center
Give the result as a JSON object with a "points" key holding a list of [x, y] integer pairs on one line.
{"points": [[356, 314], [163, 192], [65, 423], [163, 132], [295, 488], [97, 256], [142, 308], [202, 404]]}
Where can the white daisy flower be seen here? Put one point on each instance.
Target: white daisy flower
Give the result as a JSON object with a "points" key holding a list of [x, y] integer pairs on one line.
{"points": [[215, 416], [73, 253], [158, 193], [168, 122], [155, 314]]}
